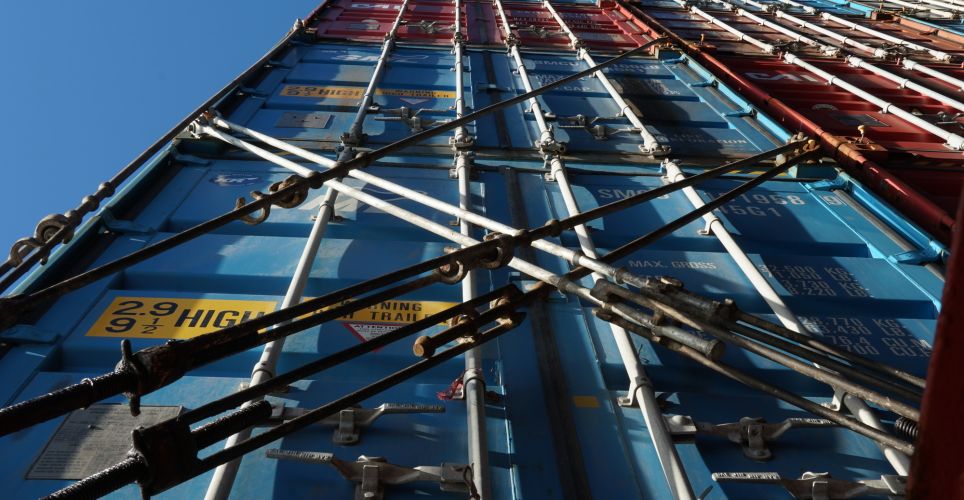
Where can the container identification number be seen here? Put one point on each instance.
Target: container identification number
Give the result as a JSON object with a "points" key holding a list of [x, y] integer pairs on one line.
{"points": [[174, 318]]}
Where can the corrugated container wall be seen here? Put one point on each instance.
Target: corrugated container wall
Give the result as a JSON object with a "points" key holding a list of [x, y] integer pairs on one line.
{"points": [[884, 95], [793, 291]]}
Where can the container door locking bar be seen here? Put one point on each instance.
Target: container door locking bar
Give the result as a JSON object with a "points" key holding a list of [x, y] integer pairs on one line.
{"points": [[409, 117], [752, 434], [348, 423], [820, 486], [373, 473]]}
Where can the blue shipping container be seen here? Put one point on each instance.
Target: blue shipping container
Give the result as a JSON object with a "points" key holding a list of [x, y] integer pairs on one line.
{"points": [[557, 420]]}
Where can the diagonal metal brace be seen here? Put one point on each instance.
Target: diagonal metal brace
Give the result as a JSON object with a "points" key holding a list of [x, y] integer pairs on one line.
{"points": [[821, 486], [373, 473], [752, 434], [348, 423]]}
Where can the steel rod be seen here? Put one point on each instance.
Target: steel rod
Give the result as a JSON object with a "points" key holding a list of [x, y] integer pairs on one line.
{"points": [[953, 141], [473, 378], [716, 329], [187, 353], [223, 479], [784, 314], [355, 135], [12, 307], [226, 403], [802, 403], [573, 220], [809, 341], [650, 143]]}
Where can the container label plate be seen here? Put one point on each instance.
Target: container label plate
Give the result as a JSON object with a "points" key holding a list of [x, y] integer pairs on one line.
{"points": [[93, 439], [380, 319], [313, 91], [174, 318], [180, 318]]}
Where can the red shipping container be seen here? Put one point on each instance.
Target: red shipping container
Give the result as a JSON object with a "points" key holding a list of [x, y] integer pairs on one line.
{"points": [[432, 23], [905, 163]]}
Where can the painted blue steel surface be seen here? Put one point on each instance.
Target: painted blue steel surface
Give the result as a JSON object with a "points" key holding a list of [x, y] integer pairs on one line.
{"points": [[670, 93], [840, 273]]}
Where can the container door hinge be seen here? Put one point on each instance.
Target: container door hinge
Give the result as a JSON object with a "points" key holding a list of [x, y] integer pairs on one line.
{"points": [[348, 423], [821, 486], [740, 113], [933, 253], [374, 473], [838, 184], [630, 398], [408, 117], [706, 83], [28, 334], [253, 92], [190, 159], [752, 434], [278, 64], [121, 226]]}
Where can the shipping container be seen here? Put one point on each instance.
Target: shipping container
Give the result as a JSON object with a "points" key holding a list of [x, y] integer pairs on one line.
{"points": [[602, 28], [895, 124], [770, 301]]}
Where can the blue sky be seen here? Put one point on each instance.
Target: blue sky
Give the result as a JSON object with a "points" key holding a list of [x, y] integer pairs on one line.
{"points": [[86, 86]]}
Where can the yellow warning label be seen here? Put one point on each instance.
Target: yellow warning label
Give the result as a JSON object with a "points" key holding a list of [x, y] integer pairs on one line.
{"points": [[397, 312], [358, 92], [167, 318]]}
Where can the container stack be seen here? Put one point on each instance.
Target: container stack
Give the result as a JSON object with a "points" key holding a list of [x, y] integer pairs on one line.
{"points": [[882, 90], [762, 256]]}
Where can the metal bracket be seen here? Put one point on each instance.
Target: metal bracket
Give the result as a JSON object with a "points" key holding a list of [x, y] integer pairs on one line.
{"points": [[541, 32], [932, 253], [407, 116], [28, 334], [374, 473], [839, 183], [121, 226], [630, 398], [430, 27], [348, 423], [821, 486], [752, 434], [599, 131], [748, 111]]}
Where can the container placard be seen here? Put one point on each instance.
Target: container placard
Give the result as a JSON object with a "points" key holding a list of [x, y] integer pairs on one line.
{"points": [[377, 320], [359, 92], [174, 318]]}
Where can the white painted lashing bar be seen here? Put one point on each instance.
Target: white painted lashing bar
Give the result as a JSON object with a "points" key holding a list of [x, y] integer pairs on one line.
{"points": [[650, 144], [641, 390], [936, 54], [355, 131], [473, 379], [853, 61], [906, 83], [875, 51], [953, 141], [264, 369], [899, 461], [916, 66]]}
